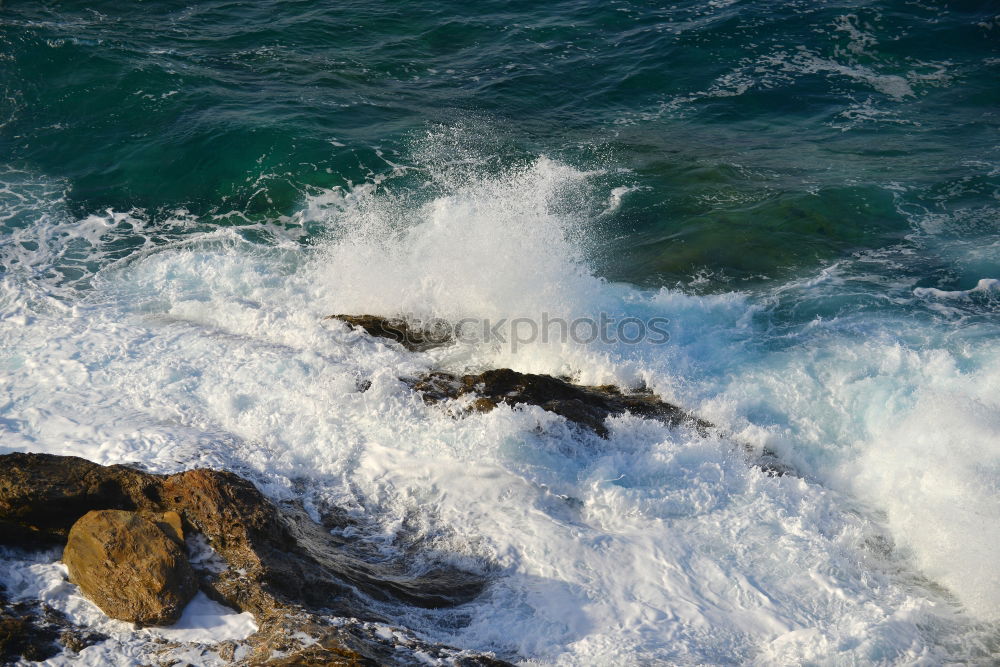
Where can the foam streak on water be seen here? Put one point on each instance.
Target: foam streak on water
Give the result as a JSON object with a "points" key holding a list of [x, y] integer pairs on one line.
{"points": [[655, 545]]}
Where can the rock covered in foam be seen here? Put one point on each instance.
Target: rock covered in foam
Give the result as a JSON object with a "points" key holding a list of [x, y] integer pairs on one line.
{"points": [[413, 338], [24, 635], [587, 406], [130, 567], [583, 405], [33, 631]]}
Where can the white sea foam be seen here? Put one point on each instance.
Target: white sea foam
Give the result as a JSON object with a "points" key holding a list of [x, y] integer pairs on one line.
{"points": [[656, 545], [984, 286]]}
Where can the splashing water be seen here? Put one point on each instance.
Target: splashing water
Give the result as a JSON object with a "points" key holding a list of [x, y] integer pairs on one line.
{"points": [[657, 544]]}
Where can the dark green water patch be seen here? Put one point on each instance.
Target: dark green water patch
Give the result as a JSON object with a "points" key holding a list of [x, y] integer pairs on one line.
{"points": [[766, 240], [758, 138]]}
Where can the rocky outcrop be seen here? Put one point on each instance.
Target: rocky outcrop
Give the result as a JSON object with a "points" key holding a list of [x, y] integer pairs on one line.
{"points": [[280, 552], [583, 405], [587, 406], [413, 338], [286, 569], [42, 496], [129, 567]]}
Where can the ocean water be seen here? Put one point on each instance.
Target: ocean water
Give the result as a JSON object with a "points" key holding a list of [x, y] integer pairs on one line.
{"points": [[808, 191]]}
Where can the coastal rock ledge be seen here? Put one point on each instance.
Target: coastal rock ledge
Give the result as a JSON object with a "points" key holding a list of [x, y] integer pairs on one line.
{"points": [[314, 595]]}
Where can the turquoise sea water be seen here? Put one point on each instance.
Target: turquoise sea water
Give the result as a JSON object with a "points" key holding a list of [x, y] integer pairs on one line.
{"points": [[762, 139], [808, 190]]}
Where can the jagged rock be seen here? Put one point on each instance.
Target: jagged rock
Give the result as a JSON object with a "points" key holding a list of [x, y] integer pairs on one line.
{"points": [[129, 567], [320, 656], [587, 406], [280, 553], [415, 339], [281, 566]]}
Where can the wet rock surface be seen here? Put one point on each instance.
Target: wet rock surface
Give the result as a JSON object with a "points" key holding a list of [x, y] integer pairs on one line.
{"points": [[129, 566], [583, 405], [42, 496], [290, 572], [587, 406], [25, 635], [413, 338], [317, 597], [34, 632], [282, 552], [321, 656]]}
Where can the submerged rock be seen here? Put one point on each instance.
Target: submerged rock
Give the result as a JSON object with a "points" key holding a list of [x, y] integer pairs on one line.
{"points": [[587, 406], [130, 567], [23, 635], [35, 632], [413, 338]]}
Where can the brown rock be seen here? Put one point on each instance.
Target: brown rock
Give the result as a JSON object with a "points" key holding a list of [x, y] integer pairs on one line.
{"points": [[42, 496], [412, 337], [129, 567], [170, 524], [317, 656], [275, 554], [587, 406], [287, 570]]}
